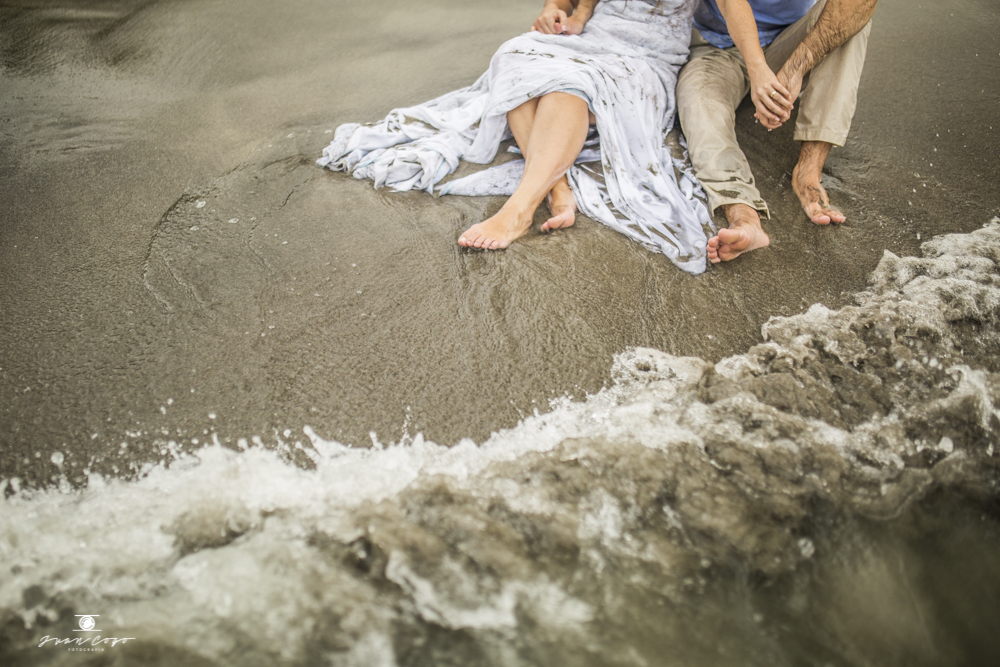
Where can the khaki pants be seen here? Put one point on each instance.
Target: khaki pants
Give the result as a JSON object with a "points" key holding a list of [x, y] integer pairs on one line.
{"points": [[714, 82]]}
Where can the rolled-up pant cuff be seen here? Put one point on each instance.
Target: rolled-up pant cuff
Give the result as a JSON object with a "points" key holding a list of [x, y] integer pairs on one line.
{"points": [[717, 200], [819, 134]]}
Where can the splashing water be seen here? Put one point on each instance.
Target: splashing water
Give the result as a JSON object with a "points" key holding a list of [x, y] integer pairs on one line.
{"points": [[756, 511]]}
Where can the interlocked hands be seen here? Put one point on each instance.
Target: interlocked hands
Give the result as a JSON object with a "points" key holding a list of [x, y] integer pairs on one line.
{"points": [[774, 96]]}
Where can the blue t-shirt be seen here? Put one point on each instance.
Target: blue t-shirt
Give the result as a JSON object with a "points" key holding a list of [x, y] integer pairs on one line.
{"points": [[772, 17]]}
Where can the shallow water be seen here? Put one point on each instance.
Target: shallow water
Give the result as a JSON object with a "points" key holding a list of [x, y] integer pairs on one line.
{"points": [[184, 292]]}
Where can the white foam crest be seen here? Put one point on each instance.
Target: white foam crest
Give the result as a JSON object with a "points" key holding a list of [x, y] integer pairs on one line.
{"points": [[176, 529]]}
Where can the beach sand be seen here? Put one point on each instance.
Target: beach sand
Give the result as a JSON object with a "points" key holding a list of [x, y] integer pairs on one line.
{"points": [[174, 265]]}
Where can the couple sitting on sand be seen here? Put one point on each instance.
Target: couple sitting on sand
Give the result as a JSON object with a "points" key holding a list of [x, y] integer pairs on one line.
{"points": [[601, 81]]}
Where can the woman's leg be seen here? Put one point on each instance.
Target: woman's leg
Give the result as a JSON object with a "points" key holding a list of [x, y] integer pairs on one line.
{"points": [[560, 198], [557, 132]]}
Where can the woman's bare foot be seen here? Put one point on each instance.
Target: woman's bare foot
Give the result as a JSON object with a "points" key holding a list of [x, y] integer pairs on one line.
{"points": [[743, 235], [497, 232], [558, 131], [562, 205], [806, 183]]}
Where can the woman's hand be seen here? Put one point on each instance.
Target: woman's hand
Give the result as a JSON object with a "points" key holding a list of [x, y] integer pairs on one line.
{"points": [[574, 24], [773, 100], [551, 21], [564, 17]]}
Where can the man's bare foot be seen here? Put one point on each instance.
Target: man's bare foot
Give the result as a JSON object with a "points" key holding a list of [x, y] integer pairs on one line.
{"points": [[815, 201], [497, 232], [562, 206], [743, 235], [806, 183]]}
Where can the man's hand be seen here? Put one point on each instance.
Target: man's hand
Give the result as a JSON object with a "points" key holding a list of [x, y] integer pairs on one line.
{"points": [[773, 99], [775, 95], [792, 81], [838, 22], [769, 95]]}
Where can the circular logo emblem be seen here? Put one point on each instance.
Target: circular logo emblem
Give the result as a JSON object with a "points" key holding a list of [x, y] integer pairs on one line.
{"points": [[87, 623]]}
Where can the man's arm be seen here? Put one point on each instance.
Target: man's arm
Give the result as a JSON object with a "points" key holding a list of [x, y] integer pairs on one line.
{"points": [[838, 22], [770, 96], [564, 17]]}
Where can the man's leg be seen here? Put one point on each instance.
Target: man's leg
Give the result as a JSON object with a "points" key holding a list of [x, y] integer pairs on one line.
{"points": [[826, 108], [558, 131], [709, 89]]}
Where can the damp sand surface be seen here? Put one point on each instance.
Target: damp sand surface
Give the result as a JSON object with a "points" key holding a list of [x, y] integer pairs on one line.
{"points": [[177, 272]]}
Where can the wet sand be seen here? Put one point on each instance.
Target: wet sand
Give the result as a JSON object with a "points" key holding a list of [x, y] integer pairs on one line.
{"points": [[132, 315]]}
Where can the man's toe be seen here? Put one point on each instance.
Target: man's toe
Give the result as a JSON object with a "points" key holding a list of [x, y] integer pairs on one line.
{"points": [[817, 214]]}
